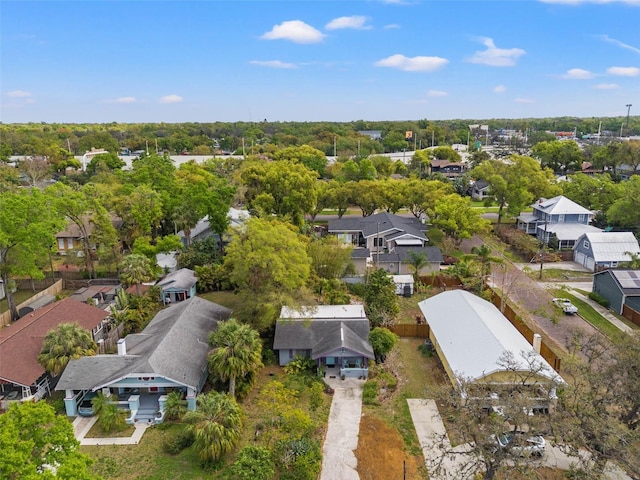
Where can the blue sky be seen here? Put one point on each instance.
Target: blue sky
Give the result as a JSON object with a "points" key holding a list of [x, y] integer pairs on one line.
{"points": [[202, 61]]}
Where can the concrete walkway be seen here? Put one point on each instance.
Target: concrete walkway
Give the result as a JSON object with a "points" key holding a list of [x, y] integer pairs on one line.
{"points": [[82, 425], [338, 457]]}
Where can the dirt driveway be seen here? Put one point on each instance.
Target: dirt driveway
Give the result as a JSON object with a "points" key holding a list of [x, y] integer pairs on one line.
{"points": [[531, 300]]}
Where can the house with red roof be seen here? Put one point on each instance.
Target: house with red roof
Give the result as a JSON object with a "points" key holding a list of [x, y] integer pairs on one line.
{"points": [[21, 376]]}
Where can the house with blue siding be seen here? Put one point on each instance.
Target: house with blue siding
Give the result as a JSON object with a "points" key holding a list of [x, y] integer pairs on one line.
{"points": [[170, 354], [178, 286], [619, 288], [600, 250], [557, 218]]}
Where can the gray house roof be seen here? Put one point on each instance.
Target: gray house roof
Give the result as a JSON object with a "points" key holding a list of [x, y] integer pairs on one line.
{"points": [[173, 345], [560, 205], [382, 224], [323, 329], [401, 255], [182, 279]]}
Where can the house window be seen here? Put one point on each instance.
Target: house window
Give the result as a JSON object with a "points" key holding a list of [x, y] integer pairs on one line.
{"points": [[290, 354], [586, 244], [581, 218], [61, 244], [561, 218], [377, 242], [70, 242]]}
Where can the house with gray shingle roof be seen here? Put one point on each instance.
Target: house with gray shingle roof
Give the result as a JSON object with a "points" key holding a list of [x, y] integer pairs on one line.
{"points": [[178, 286], [170, 354], [335, 336], [385, 240]]}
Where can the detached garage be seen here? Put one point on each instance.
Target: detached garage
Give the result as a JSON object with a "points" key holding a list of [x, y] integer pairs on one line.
{"points": [[473, 338], [599, 250]]}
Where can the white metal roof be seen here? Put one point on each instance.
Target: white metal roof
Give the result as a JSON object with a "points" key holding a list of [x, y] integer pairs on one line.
{"points": [[569, 231], [325, 312], [612, 246], [473, 335], [402, 278]]}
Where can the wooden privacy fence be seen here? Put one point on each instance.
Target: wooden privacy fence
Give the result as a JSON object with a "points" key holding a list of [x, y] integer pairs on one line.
{"points": [[56, 288], [631, 315], [547, 353], [411, 330]]}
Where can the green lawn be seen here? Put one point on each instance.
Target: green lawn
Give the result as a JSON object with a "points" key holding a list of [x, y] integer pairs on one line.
{"points": [[19, 297]]}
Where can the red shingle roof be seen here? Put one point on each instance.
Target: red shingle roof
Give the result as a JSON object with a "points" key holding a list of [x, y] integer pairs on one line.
{"points": [[21, 342]]}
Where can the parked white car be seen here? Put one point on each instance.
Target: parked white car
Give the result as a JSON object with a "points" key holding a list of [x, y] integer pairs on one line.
{"points": [[566, 305]]}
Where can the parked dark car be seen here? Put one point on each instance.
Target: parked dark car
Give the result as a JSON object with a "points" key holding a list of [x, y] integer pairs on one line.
{"points": [[85, 407]]}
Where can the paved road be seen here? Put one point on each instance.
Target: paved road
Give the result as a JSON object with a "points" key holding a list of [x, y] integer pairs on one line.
{"points": [[338, 453]]}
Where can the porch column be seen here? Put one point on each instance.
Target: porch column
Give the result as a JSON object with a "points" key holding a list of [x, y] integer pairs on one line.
{"points": [[191, 398], [70, 404]]}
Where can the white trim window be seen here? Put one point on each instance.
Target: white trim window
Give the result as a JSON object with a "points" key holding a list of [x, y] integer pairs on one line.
{"points": [[586, 244]]}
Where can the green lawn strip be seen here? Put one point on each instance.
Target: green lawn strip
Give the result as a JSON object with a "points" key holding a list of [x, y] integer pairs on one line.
{"points": [[587, 312]]}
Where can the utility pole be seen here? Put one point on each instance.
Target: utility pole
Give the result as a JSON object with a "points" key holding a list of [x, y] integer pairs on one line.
{"points": [[335, 155], [377, 245], [628, 111], [544, 240]]}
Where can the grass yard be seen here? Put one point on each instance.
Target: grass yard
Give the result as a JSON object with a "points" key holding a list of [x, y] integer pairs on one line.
{"points": [[226, 299], [146, 460], [19, 297]]}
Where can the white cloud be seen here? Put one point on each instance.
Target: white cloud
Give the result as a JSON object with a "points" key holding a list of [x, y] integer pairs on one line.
{"points": [[414, 64], [171, 99], [272, 64], [499, 89], [577, 74], [606, 38], [496, 57], [524, 100], [436, 93], [356, 22], [124, 100], [624, 71], [391, 26], [296, 31], [19, 94], [606, 86]]}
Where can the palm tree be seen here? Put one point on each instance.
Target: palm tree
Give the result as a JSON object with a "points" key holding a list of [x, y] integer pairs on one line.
{"points": [[134, 270], [483, 253], [417, 260], [110, 417], [175, 406], [66, 342], [237, 351], [216, 425]]}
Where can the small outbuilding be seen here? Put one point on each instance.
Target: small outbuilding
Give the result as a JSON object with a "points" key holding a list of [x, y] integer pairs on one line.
{"points": [[404, 284]]}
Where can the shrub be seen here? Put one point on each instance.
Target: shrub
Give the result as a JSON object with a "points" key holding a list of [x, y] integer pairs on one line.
{"points": [[253, 463], [370, 393], [316, 398], [356, 289], [596, 297], [177, 442], [388, 380], [299, 365]]}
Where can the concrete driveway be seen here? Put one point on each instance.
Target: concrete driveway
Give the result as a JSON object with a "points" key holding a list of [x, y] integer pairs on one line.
{"points": [[338, 453]]}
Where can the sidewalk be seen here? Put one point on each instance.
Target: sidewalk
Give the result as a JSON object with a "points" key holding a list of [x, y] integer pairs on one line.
{"points": [[338, 452], [82, 425]]}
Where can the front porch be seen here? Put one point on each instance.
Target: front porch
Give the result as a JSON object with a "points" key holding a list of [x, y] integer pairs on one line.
{"points": [[344, 367]]}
